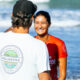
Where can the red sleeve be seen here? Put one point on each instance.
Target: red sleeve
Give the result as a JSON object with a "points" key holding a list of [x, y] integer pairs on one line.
{"points": [[62, 52]]}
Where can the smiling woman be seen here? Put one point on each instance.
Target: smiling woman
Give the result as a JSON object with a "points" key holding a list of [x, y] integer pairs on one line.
{"points": [[41, 25]]}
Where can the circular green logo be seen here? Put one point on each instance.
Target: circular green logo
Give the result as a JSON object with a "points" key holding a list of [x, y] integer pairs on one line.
{"points": [[11, 58]]}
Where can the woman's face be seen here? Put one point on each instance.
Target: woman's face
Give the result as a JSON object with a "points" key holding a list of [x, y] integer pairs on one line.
{"points": [[41, 25]]}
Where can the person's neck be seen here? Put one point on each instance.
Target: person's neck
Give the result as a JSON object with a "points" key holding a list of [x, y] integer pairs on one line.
{"points": [[20, 30], [43, 38]]}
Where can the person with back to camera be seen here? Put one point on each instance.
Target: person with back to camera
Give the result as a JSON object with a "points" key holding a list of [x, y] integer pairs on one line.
{"points": [[56, 47], [23, 57]]}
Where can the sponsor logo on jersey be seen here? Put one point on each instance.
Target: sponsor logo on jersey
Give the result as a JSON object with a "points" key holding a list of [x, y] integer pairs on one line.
{"points": [[11, 58], [52, 61]]}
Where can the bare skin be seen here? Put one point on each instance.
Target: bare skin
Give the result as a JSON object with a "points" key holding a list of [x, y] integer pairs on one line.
{"points": [[44, 76], [20, 30], [62, 68]]}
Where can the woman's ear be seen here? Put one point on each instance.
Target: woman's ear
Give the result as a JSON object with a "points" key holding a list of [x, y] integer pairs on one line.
{"points": [[49, 25]]}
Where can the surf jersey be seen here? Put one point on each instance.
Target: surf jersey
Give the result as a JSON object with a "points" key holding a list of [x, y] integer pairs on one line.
{"points": [[22, 57], [57, 49]]}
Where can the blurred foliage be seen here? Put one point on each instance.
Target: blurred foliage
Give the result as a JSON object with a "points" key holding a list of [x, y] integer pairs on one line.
{"points": [[64, 4]]}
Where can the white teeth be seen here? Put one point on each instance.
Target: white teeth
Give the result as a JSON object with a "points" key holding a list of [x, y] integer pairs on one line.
{"points": [[40, 30]]}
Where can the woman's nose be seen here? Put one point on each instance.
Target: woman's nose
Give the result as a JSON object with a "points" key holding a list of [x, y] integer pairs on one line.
{"points": [[40, 25]]}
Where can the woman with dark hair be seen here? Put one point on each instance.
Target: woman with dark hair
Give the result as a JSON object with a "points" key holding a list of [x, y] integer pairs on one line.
{"points": [[56, 47], [23, 57]]}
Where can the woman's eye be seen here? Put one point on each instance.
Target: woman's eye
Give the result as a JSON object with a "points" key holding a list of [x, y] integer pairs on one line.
{"points": [[43, 22]]}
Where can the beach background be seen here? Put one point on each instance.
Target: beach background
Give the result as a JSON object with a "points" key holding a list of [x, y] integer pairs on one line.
{"points": [[65, 18]]}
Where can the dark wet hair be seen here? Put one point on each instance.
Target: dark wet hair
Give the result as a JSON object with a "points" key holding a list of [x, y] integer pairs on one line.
{"points": [[23, 11], [45, 14]]}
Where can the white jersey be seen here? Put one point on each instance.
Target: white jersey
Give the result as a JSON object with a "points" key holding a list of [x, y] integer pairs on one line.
{"points": [[22, 57]]}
